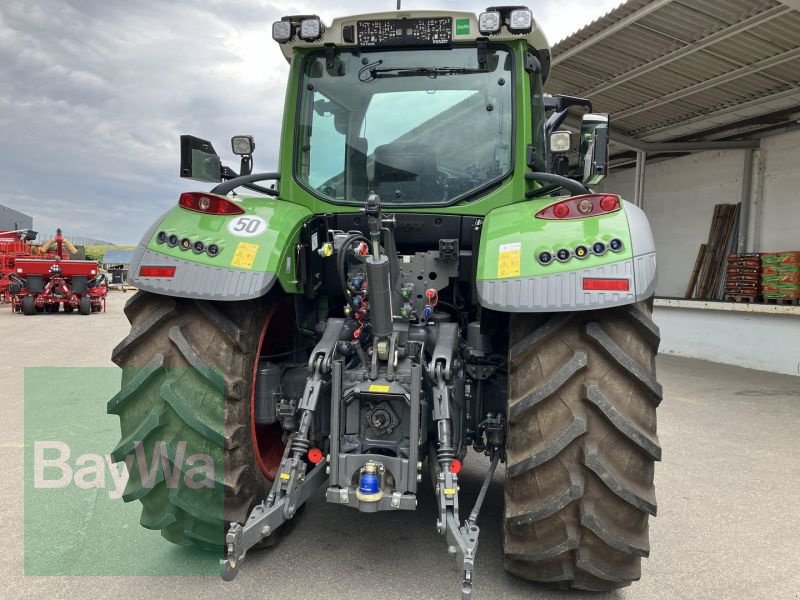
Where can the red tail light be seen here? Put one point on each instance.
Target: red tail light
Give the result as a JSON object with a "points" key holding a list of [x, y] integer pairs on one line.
{"points": [[606, 285], [578, 207], [156, 271], [209, 203]]}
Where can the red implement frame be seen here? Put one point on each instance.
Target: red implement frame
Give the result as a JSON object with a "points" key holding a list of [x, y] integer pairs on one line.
{"points": [[53, 280]]}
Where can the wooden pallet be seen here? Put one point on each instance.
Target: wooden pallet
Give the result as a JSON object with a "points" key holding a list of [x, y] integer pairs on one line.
{"points": [[743, 299], [783, 301]]}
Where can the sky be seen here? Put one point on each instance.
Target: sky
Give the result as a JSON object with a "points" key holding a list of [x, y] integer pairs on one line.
{"points": [[94, 94]]}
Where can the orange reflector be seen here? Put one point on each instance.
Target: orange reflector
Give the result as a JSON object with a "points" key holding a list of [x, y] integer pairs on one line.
{"points": [[455, 466], [315, 455], [606, 285], [156, 271]]}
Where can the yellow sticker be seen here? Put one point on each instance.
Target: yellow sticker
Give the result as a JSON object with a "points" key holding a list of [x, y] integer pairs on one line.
{"points": [[449, 491], [508, 260], [245, 255], [284, 476], [380, 389]]}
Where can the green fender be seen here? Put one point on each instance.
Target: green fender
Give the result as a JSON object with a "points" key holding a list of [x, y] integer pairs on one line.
{"points": [[254, 250], [510, 277]]}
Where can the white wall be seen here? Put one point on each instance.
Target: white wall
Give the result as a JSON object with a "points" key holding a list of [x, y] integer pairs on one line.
{"points": [[680, 195], [679, 200], [755, 341], [776, 213]]}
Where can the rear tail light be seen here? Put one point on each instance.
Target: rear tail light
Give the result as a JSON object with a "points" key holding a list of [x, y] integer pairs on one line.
{"points": [[156, 271], [577, 207], [209, 203], [606, 285]]}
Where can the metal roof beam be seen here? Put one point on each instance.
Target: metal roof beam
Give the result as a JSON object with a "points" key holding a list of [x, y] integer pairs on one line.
{"points": [[707, 41], [619, 138], [709, 83], [618, 26], [713, 117]]}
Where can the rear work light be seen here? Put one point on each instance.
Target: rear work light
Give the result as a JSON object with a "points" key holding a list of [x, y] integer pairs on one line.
{"points": [[156, 271], [606, 285], [579, 207], [210, 204]]}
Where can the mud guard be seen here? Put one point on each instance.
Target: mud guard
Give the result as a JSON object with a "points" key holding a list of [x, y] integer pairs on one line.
{"points": [[511, 278], [245, 265]]}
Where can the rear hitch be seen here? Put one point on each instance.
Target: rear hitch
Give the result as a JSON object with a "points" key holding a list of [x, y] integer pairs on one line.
{"points": [[292, 488], [462, 540]]}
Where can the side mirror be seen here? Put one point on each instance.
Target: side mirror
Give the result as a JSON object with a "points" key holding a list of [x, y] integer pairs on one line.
{"points": [[593, 166], [199, 160]]}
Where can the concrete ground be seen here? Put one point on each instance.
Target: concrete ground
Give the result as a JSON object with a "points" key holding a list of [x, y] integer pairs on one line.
{"points": [[728, 492]]}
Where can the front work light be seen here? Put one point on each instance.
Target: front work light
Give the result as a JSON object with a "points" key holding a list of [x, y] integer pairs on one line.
{"points": [[282, 31], [489, 22], [242, 145], [310, 29], [520, 21]]}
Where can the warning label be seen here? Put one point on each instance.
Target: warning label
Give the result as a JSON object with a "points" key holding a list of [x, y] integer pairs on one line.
{"points": [[508, 260]]}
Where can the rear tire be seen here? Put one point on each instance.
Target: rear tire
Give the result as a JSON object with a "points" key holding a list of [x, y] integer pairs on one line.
{"points": [[188, 368], [581, 445], [28, 305], [85, 305]]}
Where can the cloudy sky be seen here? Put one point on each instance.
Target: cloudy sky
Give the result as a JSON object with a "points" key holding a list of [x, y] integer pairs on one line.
{"points": [[94, 94]]}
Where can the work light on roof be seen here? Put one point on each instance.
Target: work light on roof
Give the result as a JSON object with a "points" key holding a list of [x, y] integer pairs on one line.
{"points": [[489, 22], [310, 29], [520, 21], [282, 31]]}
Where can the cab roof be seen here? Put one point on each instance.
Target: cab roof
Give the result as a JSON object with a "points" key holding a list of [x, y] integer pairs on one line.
{"points": [[334, 33]]}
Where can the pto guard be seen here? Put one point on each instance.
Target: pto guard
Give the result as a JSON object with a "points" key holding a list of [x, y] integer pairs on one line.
{"points": [[246, 266], [563, 290]]}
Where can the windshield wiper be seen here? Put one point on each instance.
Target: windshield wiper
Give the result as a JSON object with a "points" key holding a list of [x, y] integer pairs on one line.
{"points": [[432, 72]]}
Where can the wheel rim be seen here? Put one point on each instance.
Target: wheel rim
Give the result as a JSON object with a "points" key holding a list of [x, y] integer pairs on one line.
{"points": [[268, 439]]}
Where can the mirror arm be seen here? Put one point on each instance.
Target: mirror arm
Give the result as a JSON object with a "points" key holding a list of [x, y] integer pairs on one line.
{"points": [[246, 166], [572, 186], [555, 121], [247, 181]]}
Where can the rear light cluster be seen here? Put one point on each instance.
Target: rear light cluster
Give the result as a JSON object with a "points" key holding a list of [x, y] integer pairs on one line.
{"points": [[578, 207], [580, 252], [210, 204], [172, 240]]}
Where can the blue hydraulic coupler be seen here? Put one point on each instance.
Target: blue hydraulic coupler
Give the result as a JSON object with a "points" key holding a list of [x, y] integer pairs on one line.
{"points": [[369, 484]]}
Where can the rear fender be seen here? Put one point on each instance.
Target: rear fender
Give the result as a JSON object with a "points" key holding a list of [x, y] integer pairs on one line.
{"points": [[254, 251], [510, 277]]}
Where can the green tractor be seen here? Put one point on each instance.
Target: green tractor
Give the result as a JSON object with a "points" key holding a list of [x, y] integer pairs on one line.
{"points": [[427, 270]]}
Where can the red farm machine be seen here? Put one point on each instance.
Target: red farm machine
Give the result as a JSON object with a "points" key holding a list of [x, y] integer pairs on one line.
{"points": [[13, 245], [42, 279]]}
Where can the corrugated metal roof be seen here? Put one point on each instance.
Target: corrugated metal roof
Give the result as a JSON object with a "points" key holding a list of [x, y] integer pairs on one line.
{"points": [[666, 69]]}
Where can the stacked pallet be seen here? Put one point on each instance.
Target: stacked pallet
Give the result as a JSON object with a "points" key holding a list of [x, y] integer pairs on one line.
{"points": [[708, 276], [781, 277], [743, 278]]}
